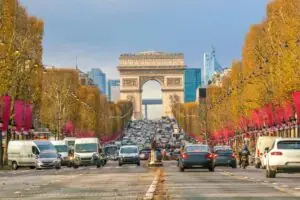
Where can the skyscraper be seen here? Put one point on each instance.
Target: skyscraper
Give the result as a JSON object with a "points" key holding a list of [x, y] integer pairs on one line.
{"points": [[210, 66], [113, 90], [192, 80], [99, 79]]}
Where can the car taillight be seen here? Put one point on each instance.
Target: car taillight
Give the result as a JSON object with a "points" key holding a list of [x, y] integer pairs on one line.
{"points": [[210, 156], [276, 153], [233, 156], [184, 156]]}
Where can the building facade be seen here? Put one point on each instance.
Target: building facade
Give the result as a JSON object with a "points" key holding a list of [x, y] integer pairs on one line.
{"points": [[165, 68], [99, 79], [192, 80], [210, 66], [113, 90]]}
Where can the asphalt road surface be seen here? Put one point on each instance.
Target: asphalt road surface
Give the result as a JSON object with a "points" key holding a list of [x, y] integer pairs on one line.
{"points": [[139, 182]]}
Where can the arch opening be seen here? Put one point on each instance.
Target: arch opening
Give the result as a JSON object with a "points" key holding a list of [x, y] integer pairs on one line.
{"points": [[152, 106]]}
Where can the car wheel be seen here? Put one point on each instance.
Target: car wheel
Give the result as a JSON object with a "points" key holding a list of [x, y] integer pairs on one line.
{"points": [[233, 166], [14, 165], [257, 165], [120, 164], [32, 167], [75, 166], [58, 167], [211, 169], [181, 169], [69, 164], [138, 164], [271, 173]]}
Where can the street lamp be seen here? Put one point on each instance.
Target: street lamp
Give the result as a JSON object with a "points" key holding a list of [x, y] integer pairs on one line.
{"points": [[1, 152]]}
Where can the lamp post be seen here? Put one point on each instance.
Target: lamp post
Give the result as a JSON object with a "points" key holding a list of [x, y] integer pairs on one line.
{"points": [[1, 152]]}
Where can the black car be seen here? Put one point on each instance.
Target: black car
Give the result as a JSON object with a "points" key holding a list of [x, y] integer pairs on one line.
{"points": [[196, 156], [225, 157]]}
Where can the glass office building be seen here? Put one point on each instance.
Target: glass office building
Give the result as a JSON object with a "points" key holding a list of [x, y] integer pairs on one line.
{"points": [[113, 89], [192, 80], [99, 79]]}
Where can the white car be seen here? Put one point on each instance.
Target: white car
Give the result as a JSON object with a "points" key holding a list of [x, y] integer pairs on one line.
{"points": [[283, 157]]}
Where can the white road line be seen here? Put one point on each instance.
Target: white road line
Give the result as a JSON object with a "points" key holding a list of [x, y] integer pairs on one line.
{"points": [[150, 192]]}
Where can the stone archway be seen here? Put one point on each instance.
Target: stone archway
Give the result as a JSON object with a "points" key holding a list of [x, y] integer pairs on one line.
{"points": [[165, 68]]}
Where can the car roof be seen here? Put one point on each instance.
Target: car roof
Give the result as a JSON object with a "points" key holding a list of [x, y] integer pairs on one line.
{"points": [[196, 145], [131, 146], [287, 139]]}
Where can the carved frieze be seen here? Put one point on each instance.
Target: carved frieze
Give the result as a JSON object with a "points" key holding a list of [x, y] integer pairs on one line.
{"points": [[130, 82], [153, 72], [174, 81], [144, 79]]}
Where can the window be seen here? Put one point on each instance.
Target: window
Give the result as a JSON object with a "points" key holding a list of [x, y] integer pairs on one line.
{"points": [[86, 148], [196, 149], [292, 144], [48, 155], [129, 150], [61, 148], [34, 150]]}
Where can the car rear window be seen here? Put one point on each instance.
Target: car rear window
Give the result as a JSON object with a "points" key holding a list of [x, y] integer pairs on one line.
{"points": [[294, 144], [196, 149], [223, 152]]}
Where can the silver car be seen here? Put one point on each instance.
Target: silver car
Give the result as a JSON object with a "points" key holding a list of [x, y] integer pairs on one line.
{"points": [[48, 159]]}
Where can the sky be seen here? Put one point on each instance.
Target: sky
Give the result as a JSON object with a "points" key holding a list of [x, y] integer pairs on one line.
{"points": [[98, 31]]}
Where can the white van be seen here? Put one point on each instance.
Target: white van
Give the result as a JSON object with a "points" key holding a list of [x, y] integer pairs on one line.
{"points": [[25, 153], [62, 149], [263, 142], [70, 142], [86, 152]]}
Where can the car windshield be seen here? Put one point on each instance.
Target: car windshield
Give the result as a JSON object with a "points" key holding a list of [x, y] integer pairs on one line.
{"points": [[110, 150], [48, 155], [61, 148], [199, 148], [129, 150], [86, 148], [295, 144], [71, 143], [45, 147]]}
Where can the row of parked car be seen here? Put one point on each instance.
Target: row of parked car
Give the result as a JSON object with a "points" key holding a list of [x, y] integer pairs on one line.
{"points": [[72, 152]]}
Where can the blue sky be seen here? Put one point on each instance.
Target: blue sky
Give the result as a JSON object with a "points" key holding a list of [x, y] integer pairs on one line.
{"points": [[98, 31]]}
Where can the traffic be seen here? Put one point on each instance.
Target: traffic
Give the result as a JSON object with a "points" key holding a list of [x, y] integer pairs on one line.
{"points": [[274, 155]]}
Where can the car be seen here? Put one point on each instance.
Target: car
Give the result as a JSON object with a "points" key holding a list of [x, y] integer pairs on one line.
{"points": [[110, 151], [24, 153], [145, 154], [87, 152], [260, 154], [62, 149], [225, 157], [283, 157], [196, 156], [48, 159], [129, 154]]}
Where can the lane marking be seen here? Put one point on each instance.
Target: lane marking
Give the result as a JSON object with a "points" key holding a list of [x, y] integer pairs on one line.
{"points": [[151, 190]]}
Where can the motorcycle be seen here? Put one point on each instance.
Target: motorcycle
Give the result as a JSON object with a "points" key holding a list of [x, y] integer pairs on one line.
{"points": [[244, 160]]}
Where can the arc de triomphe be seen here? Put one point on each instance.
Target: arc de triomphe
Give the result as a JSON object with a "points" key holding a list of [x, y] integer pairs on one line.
{"points": [[165, 68]]}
